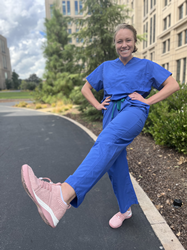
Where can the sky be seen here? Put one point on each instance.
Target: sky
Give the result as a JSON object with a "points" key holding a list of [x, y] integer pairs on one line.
{"points": [[22, 23]]}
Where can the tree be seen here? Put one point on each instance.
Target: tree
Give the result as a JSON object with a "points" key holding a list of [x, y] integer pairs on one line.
{"points": [[96, 30], [60, 59], [15, 80], [27, 85], [33, 78], [8, 83]]}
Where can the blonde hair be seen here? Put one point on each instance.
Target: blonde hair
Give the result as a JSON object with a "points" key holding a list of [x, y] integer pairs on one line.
{"points": [[126, 26]]}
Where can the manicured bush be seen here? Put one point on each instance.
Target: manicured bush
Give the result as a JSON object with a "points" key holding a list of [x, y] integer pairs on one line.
{"points": [[38, 106], [167, 121], [21, 104]]}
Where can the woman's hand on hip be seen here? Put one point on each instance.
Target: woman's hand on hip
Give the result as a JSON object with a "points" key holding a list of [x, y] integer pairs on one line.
{"points": [[137, 96], [102, 105]]}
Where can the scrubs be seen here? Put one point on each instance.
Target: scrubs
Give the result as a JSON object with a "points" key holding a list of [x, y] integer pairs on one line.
{"points": [[122, 122]]}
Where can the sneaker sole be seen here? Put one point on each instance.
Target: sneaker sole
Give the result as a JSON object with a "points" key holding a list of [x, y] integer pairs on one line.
{"points": [[33, 199]]}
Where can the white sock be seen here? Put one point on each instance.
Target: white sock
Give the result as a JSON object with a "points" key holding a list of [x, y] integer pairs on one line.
{"points": [[62, 196]]}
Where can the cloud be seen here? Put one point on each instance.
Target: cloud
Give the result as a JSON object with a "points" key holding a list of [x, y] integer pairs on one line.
{"points": [[22, 23]]}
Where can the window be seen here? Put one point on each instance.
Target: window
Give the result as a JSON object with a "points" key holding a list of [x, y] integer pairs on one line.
{"points": [[169, 20], [2, 45], [76, 7], [179, 39], [181, 12], [151, 30], [184, 71], [6, 75], [70, 39], [68, 8], [132, 5], [185, 36], [165, 2], [146, 30], [64, 7], [80, 7], [165, 23], [154, 2], [164, 47], [143, 7], [51, 10], [168, 44], [152, 55], [144, 40], [154, 27], [178, 69], [151, 4], [4, 62], [145, 4], [166, 66]]}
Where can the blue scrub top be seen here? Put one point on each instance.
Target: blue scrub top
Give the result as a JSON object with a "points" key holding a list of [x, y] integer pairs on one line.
{"points": [[119, 80]]}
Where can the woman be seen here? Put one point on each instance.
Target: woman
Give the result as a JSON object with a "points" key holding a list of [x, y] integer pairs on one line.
{"points": [[126, 81]]}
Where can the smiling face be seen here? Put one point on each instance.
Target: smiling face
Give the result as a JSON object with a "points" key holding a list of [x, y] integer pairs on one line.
{"points": [[124, 43]]}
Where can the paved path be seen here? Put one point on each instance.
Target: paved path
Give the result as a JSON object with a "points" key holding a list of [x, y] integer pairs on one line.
{"points": [[54, 147]]}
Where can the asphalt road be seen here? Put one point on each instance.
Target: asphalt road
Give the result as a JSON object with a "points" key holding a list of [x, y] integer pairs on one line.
{"points": [[54, 147]]}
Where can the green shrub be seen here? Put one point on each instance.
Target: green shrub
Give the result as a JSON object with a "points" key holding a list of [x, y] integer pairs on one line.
{"points": [[27, 85], [167, 121], [87, 110]]}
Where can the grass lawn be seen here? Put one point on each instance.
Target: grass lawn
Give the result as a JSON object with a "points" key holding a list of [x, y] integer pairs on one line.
{"points": [[15, 95]]}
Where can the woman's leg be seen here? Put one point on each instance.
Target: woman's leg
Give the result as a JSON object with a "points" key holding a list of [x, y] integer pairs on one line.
{"points": [[117, 135], [121, 183]]}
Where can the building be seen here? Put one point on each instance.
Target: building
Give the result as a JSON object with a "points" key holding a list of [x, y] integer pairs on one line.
{"points": [[5, 65], [70, 8], [164, 22]]}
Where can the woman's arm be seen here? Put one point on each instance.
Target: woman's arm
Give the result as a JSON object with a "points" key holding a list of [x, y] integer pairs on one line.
{"points": [[169, 87], [87, 93]]}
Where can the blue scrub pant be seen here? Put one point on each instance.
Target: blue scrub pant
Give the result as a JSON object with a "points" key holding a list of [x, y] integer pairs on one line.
{"points": [[108, 154]]}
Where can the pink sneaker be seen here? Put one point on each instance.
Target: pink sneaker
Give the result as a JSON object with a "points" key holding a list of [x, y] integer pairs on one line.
{"points": [[45, 195], [117, 220]]}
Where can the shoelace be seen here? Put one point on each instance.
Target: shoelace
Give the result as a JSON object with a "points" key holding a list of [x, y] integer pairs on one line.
{"points": [[47, 185]]}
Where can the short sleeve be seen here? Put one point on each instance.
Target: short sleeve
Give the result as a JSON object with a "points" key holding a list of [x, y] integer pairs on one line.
{"points": [[96, 78], [157, 74]]}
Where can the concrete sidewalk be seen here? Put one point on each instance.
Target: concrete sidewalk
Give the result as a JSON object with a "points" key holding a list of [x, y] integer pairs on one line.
{"points": [[54, 146]]}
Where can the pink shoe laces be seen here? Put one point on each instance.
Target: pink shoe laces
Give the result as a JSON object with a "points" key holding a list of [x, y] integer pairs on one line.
{"points": [[47, 185]]}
